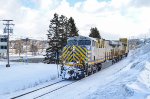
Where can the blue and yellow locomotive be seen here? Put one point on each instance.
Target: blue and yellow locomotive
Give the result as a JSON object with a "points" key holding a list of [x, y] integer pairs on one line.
{"points": [[83, 56]]}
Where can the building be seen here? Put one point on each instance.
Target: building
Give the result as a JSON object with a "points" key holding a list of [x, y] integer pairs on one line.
{"points": [[3, 46]]}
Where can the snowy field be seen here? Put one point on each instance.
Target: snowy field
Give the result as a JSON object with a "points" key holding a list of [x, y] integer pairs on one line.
{"points": [[21, 76], [23, 56], [127, 79]]}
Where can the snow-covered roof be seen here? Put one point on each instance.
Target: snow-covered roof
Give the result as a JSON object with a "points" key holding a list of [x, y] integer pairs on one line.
{"points": [[83, 37]]}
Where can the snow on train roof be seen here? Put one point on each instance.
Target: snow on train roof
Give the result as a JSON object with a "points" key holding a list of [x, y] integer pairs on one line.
{"points": [[82, 37], [114, 43], [111, 42]]}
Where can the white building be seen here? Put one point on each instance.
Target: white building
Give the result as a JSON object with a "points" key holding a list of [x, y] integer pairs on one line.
{"points": [[3, 46]]}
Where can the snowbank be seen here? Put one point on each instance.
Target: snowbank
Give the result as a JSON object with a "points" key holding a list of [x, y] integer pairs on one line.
{"points": [[132, 82]]}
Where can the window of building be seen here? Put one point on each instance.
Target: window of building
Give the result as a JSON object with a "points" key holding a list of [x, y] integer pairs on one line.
{"points": [[3, 47], [3, 39]]}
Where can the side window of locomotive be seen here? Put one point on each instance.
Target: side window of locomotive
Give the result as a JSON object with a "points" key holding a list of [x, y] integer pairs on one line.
{"points": [[93, 43], [87, 42]]}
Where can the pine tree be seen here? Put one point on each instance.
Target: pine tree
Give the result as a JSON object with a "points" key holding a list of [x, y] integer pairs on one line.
{"points": [[94, 32], [73, 31], [63, 30], [60, 29], [53, 37]]}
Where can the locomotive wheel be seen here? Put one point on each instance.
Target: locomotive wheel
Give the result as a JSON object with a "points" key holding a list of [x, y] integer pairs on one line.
{"points": [[89, 73], [112, 61], [81, 76], [75, 78], [99, 67], [116, 60], [126, 54], [95, 69]]}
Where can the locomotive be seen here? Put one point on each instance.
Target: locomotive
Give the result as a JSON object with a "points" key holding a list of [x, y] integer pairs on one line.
{"points": [[83, 56]]}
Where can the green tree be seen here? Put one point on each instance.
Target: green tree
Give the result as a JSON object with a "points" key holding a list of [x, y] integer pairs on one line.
{"points": [[63, 30], [60, 29], [73, 31], [53, 38], [94, 32]]}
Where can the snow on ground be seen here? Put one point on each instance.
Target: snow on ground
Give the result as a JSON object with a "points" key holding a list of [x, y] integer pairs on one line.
{"points": [[21, 76], [24, 56]]}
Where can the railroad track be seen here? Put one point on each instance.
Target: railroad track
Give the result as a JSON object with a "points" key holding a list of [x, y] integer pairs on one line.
{"points": [[55, 90], [44, 90]]}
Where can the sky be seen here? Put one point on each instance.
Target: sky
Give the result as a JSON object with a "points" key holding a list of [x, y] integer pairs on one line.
{"points": [[113, 18]]}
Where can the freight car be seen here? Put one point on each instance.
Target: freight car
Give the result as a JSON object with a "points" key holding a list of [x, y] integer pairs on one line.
{"points": [[83, 56]]}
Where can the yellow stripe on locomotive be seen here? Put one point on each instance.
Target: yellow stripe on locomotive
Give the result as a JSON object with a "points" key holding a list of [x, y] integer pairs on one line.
{"points": [[74, 53]]}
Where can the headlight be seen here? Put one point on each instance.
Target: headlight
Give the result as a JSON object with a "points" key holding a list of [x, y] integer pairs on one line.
{"points": [[73, 48]]}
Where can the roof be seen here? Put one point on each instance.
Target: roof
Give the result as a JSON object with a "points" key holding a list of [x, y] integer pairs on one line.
{"points": [[82, 37]]}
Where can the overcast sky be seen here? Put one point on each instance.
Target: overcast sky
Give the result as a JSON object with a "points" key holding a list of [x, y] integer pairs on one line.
{"points": [[113, 18]]}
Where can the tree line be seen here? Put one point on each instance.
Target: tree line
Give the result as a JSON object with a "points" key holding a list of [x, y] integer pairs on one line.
{"points": [[60, 29], [22, 46]]}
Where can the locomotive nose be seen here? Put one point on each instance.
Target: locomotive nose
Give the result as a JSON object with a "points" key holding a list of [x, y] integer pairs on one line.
{"points": [[74, 55]]}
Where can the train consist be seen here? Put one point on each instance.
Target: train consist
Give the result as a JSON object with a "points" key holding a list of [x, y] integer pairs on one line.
{"points": [[83, 56]]}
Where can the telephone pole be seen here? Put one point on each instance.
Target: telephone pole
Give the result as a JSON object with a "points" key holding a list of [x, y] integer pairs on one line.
{"points": [[8, 30]]}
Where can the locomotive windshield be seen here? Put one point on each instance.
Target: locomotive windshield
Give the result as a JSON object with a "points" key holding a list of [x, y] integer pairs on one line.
{"points": [[79, 42], [72, 42], [84, 42]]}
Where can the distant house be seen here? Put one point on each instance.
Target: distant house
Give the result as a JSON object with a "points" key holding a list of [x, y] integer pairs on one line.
{"points": [[3, 46]]}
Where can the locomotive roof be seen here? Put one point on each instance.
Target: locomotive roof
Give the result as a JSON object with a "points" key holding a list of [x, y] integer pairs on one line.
{"points": [[82, 37], [114, 43]]}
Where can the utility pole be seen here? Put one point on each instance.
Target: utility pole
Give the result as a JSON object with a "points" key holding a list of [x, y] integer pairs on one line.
{"points": [[8, 30], [26, 50]]}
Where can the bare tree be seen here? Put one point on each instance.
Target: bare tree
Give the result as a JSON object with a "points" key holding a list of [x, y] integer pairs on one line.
{"points": [[18, 46], [33, 49]]}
